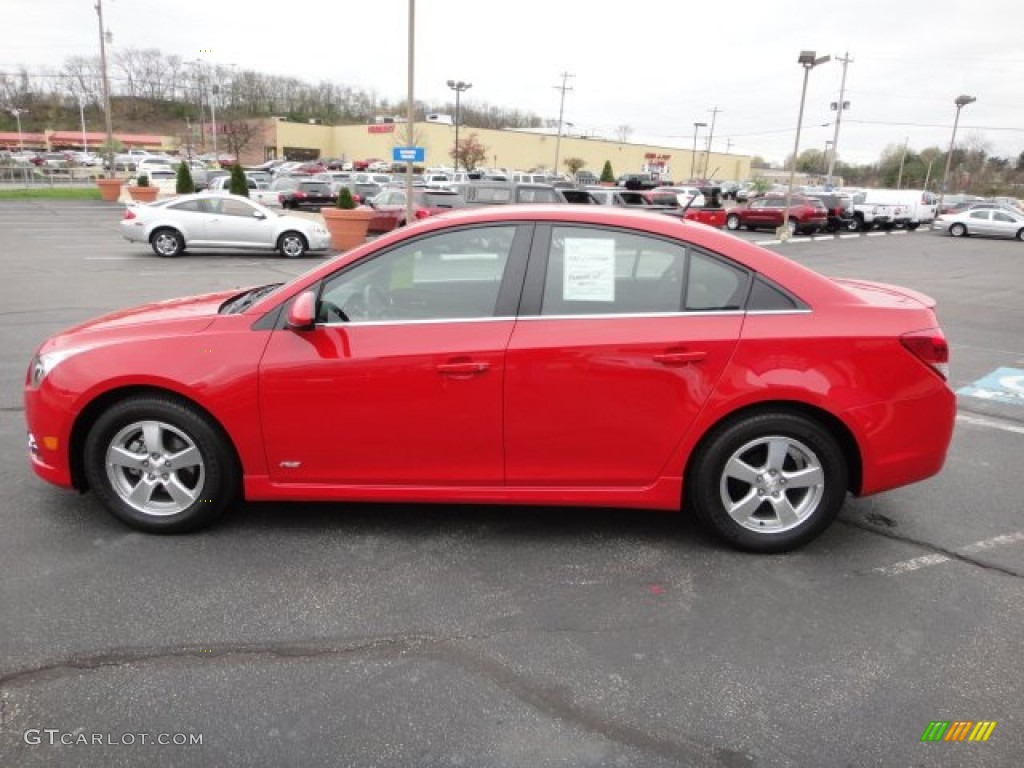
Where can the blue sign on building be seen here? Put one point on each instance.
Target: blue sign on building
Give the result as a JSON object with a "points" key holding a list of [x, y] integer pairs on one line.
{"points": [[1004, 385], [408, 154]]}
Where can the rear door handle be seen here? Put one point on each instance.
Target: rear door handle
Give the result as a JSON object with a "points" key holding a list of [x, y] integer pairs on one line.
{"points": [[463, 369], [680, 358]]}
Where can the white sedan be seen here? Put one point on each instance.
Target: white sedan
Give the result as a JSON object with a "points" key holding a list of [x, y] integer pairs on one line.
{"points": [[994, 222], [220, 221]]}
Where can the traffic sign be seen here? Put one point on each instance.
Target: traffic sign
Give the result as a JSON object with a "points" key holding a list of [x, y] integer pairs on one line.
{"points": [[408, 154]]}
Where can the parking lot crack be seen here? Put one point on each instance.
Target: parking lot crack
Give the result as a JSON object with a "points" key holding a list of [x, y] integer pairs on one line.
{"points": [[935, 548]]}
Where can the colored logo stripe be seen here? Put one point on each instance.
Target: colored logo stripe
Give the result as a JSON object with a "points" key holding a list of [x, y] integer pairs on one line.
{"points": [[935, 731], [982, 730], [958, 730]]}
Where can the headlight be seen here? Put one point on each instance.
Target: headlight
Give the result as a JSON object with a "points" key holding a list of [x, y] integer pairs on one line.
{"points": [[43, 364]]}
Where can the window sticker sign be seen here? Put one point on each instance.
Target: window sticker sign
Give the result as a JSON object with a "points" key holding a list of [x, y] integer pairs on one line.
{"points": [[588, 270], [1004, 385]]}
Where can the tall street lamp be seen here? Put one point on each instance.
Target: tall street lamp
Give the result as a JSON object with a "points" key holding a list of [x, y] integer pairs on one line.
{"points": [[458, 86], [828, 145], [17, 116], [106, 89], [808, 61], [961, 101], [81, 117], [693, 153], [213, 121]]}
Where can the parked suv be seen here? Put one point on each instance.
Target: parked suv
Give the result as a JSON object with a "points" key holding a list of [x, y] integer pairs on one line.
{"points": [[840, 212], [805, 214]]}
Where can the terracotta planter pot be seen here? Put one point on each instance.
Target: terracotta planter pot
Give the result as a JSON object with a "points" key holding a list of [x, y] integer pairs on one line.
{"points": [[143, 194], [347, 227], [110, 189]]}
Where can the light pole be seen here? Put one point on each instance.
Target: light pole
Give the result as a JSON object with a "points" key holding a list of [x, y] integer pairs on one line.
{"points": [[961, 101], [903, 159], [410, 108], [106, 90], [81, 117], [693, 153], [807, 60], [828, 143], [458, 86], [561, 113], [17, 116], [214, 90]]}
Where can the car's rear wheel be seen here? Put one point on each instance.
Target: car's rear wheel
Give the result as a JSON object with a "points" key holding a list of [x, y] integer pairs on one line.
{"points": [[167, 243], [913, 225], [1020, 234], [292, 245], [732, 221], [792, 226], [958, 230], [769, 482], [852, 225], [159, 465]]}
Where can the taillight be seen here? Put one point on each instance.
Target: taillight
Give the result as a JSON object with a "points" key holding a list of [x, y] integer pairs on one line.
{"points": [[129, 214], [299, 195], [930, 348], [421, 213]]}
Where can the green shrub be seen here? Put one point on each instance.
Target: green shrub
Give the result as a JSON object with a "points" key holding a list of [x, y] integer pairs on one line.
{"points": [[184, 184], [606, 172], [239, 184], [143, 180], [345, 199]]}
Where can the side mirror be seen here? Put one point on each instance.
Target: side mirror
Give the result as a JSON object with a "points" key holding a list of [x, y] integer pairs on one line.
{"points": [[302, 312], [259, 215]]}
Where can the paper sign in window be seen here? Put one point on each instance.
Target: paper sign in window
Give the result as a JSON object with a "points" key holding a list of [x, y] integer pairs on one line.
{"points": [[589, 270]]}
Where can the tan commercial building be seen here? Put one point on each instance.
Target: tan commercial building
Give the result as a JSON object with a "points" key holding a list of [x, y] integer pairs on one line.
{"points": [[512, 149]]}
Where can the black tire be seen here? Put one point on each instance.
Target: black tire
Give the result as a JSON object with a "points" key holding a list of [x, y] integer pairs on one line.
{"points": [[958, 230], [292, 245], [175, 497], [732, 222], [167, 243], [777, 514], [1020, 234], [913, 225], [852, 225], [793, 225], [865, 226]]}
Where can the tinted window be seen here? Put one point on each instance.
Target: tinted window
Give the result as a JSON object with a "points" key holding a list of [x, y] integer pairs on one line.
{"points": [[232, 206], [765, 297], [190, 206], [316, 188], [440, 200], [712, 284], [1000, 216], [983, 214], [451, 275]]}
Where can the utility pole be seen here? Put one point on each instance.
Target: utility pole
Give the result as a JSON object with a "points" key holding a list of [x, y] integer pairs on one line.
{"points": [[410, 110], [711, 135], [561, 113], [839, 106], [903, 159], [106, 90]]}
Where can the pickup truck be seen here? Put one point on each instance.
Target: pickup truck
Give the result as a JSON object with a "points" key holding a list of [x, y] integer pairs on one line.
{"points": [[869, 215]]}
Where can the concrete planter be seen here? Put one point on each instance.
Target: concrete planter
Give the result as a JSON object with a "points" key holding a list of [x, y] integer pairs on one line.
{"points": [[347, 226], [110, 189], [143, 194]]}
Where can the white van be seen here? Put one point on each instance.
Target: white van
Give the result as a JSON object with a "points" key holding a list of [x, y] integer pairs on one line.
{"points": [[918, 205]]}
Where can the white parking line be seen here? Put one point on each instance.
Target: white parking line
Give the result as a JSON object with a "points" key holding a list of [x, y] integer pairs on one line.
{"points": [[848, 237], [992, 423], [877, 234], [899, 232], [824, 237], [906, 566], [767, 242]]}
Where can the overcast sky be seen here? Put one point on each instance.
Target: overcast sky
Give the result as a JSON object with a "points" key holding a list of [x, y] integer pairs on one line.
{"points": [[658, 66]]}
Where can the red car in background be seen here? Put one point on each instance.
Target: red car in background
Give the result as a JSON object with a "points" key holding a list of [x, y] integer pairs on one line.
{"points": [[390, 209], [805, 214], [543, 354]]}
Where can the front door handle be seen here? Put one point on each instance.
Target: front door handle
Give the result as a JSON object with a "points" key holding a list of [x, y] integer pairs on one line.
{"points": [[462, 369], [680, 357]]}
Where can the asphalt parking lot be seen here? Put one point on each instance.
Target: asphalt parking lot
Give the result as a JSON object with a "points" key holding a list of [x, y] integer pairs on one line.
{"points": [[385, 635]]}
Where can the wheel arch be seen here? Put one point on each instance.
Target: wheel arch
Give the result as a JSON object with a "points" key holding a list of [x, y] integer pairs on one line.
{"points": [[829, 421], [88, 416]]}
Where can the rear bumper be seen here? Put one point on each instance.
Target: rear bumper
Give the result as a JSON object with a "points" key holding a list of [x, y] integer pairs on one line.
{"points": [[903, 441]]}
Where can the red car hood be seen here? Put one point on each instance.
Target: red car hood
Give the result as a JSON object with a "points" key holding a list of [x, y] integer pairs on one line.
{"points": [[189, 315]]}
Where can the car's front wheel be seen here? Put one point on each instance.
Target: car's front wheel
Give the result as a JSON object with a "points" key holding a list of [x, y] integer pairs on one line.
{"points": [[769, 482], [292, 245], [732, 221], [159, 465], [958, 230], [167, 243]]}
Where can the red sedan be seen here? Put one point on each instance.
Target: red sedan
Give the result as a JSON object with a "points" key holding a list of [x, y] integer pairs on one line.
{"points": [[571, 355]]}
